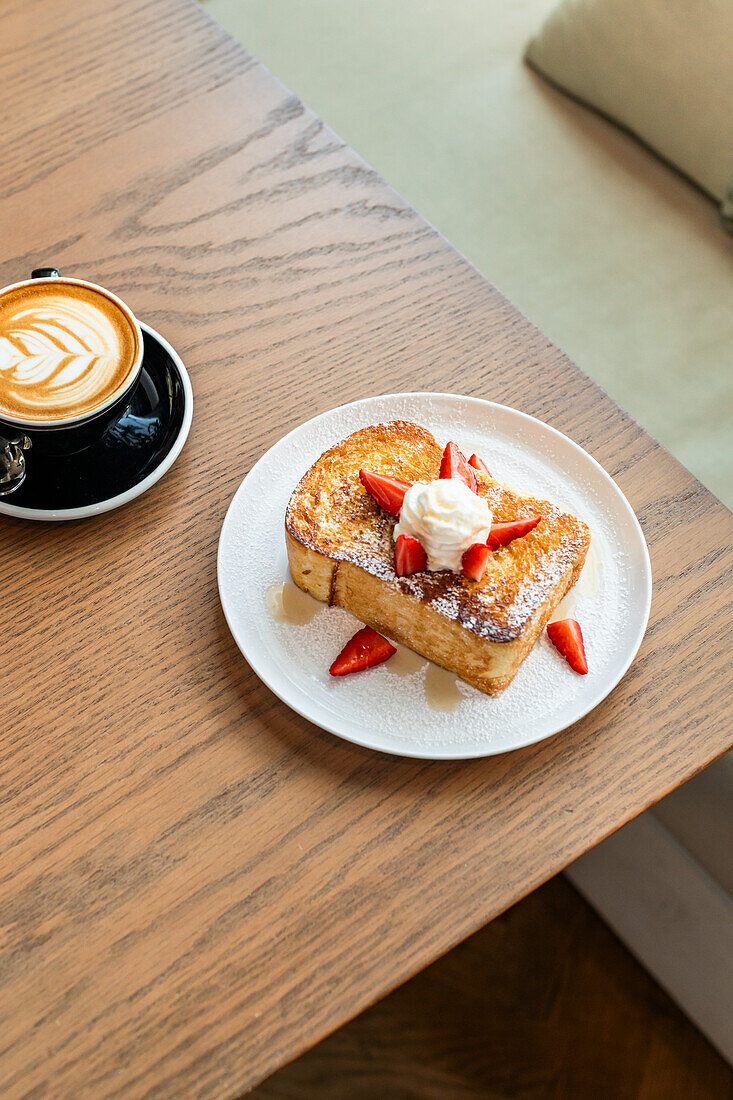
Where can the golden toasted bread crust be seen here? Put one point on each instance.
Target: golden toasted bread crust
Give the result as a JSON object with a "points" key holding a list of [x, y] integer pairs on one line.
{"points": [[330, 514]]}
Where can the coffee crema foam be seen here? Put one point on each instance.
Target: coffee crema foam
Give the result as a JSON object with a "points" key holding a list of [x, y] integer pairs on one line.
{"points": [[65, 351]]}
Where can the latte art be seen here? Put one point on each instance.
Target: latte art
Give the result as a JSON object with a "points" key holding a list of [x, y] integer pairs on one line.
{"points": [[65, 351]]}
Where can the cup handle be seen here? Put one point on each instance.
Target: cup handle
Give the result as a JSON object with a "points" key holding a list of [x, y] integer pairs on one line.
{"points": [[12, 447], [12, 462]]}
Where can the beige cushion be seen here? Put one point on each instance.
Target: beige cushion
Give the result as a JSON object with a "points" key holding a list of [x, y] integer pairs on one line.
{"points": [[661, 68]]}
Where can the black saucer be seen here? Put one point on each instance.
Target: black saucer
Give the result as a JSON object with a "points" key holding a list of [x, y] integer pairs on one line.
{"points": [[128, 453]]}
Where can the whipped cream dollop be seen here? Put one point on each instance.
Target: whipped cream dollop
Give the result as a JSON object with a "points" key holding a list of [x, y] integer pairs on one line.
{"points": [[446, 517]]}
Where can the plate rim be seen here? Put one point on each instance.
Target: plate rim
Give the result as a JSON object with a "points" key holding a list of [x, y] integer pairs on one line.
{"points": [[604, 691], [86, 511]]}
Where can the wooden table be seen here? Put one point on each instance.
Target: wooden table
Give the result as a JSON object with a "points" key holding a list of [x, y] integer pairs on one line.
{"points": [[197, 884]]}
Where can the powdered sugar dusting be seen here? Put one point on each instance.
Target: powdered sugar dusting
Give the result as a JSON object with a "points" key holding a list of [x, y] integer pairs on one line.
{"points": [[390, 711]]}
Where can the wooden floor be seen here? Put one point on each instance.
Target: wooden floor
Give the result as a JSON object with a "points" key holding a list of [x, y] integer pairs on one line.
{"points": [[543, 1004]]}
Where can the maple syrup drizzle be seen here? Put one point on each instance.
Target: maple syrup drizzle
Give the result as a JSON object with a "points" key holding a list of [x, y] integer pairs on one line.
{"points": [[287, 604], [404, 662], [586, 587], [441, 688]]}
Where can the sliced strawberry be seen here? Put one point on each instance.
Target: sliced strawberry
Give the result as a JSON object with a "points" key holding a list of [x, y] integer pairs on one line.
{"points": [[474, 561], [389, 492], [365, 649], [479, 464], [503, 533], [567, 637], [409, 556], [454, 465]]}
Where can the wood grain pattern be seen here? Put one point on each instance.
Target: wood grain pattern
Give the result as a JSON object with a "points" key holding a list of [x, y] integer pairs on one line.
{"points": [[196, 885], [543, 1004]]}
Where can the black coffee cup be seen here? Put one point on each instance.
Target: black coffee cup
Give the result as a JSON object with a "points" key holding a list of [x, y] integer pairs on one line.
{"points": [[20, 438]]}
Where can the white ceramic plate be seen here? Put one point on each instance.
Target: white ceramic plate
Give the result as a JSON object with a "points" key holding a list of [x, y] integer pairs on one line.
{"points": [[393, 707]]}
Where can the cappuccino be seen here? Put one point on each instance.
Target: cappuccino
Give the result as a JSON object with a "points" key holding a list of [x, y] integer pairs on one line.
{"points": [[66, 351]]}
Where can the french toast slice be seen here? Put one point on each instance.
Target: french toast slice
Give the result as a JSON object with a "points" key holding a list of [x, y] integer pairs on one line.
{"points": [[341, 550]]}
